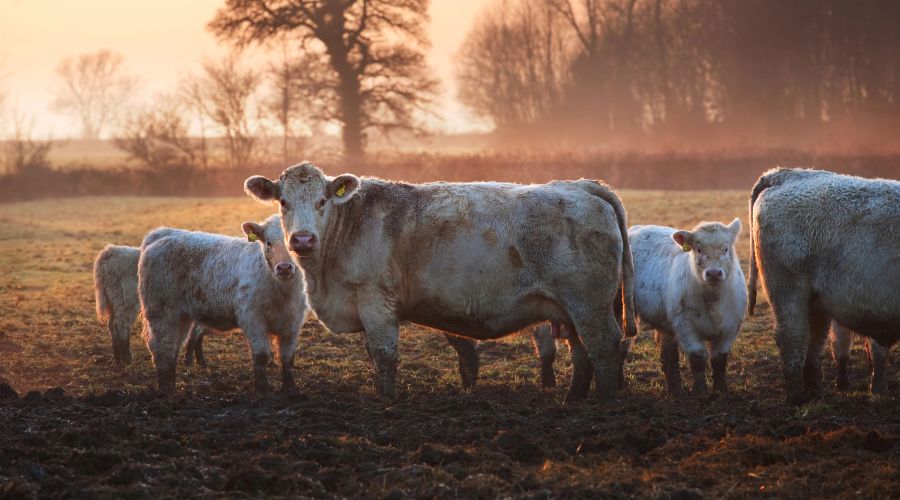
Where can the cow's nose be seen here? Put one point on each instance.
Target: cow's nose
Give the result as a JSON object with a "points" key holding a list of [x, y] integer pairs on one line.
{"points": [[715, 275], [284, 269], [303, 242]]}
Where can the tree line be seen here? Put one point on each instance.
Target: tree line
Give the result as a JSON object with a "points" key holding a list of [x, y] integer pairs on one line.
{"points": [[604, 70], [585, 71]]}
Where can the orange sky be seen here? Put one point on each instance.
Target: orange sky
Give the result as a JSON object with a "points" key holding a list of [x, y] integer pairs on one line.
{"points": [[160, 40]]}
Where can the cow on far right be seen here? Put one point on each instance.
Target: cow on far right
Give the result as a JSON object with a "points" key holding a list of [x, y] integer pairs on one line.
{"points": [[877, 354], [828, 248]]}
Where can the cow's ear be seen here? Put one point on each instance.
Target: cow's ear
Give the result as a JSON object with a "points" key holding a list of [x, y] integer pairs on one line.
{"points": [[342, 188], [685, 239], [735, 228], [261, 188], [253, 231]]}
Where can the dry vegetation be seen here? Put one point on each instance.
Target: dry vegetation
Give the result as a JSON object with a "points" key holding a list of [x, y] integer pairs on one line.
{"points": [[95, 431]]}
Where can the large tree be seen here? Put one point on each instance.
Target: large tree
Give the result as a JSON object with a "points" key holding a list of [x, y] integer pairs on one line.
{"points": [[371, 71], [93, 88]]}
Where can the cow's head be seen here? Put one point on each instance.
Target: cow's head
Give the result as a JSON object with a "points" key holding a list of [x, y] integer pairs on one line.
{"points": [[711, 245], [270, 238], [307, 198]]}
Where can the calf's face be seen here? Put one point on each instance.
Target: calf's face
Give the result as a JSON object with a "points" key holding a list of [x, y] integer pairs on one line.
{"points": [[711, 245], [271, 240], [307, 198]]}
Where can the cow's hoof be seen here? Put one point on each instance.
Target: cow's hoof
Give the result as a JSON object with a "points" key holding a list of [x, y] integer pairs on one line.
{"points": [[878, 388], [797, 398]]}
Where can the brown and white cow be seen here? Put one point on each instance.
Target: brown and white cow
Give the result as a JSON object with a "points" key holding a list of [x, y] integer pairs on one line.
{"points": [[828, 247], [482, 260]]}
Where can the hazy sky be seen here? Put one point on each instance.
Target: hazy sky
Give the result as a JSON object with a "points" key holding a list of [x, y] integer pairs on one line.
{"points": [[160, 40]]}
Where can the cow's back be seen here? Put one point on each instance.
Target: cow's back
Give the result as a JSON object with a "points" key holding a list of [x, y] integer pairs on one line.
{"points": [[841, 235]]}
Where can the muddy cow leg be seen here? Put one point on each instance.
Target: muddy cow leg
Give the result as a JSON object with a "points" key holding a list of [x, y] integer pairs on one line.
{"points": [[260, 350], [166, 335], [287, 348], [545, 347], [812, 369], [382, 336], [600, 334], [190, 346], [669, 358], [468, 359], [582, 371], [877, 355], [114, 338], [624, 351], [790, 303], [200, 333], [841, 341]]}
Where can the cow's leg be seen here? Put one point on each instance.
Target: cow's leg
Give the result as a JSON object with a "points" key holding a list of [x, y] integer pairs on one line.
{"points": [[790, 303], [624, 351], [260, 350], [287, 348], [382, 335], [545, 348], [190, 346], [668, 356], [600, 334], [582, 371], [812, 368], [199, 333], [719, 352], [114, 338], [841, 341], [468, 359], [877, 355], [695, 350], [164, 340]]}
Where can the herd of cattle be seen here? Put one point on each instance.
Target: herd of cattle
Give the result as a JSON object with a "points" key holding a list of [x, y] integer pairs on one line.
{"points": [[484, 260]]}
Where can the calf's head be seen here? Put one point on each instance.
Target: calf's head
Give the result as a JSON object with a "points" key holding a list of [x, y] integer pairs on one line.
{"points": [[711, 245], [307, 198], [270, 238]]}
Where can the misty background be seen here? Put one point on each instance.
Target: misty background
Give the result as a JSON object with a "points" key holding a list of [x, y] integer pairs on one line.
{"points": [[171, 98]]}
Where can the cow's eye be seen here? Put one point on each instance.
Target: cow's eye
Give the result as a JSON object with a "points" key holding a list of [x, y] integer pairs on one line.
{"points": [[268, 244], [725, 252], [700, 250], [320, 204], [284, 205]]}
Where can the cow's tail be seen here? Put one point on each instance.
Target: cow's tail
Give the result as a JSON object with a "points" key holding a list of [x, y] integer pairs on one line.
{"points": [[628, 313], [769, 179], [100, 298]]}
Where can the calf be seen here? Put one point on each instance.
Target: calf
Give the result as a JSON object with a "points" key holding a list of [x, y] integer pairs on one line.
{"points": [[690, 289], [842, 338], [224, 283], [115, 291], [827, 246], [482, 260]]}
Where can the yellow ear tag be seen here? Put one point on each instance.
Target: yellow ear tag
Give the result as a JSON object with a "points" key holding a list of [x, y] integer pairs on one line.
{"points": [[341, 190], [252, 237], [686, 248]]}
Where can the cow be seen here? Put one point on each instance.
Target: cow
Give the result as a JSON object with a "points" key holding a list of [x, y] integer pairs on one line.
{"points": [[691, 291], [481, 260], [187, 277], [877, 354], [828, 248]]}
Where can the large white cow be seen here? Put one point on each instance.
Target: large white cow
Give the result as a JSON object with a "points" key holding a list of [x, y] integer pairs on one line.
{"points": [[482, 260], [828, 247]]}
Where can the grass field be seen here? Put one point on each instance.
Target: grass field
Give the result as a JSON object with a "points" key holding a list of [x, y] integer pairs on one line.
{"points": [[93, 430]]}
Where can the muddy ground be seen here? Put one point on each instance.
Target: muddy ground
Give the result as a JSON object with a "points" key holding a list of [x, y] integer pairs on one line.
{"points": [[73, 425]]}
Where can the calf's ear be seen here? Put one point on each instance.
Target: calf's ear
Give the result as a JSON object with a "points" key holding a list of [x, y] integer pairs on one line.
{"points": [[735, 228], [253, 231], [685, 239], [342, 188], [261, 188]]}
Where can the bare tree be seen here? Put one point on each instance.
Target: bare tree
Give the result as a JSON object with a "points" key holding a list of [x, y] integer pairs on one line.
{"points": [[20, 150], [513, 64], [93, 88], [369, 56], [225, 92], [285, 77], [159, 136]]}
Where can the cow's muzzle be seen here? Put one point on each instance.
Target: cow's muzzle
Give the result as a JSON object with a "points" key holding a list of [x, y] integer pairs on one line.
{"points": [[714, 275], [303, 242], [284, 270]]}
